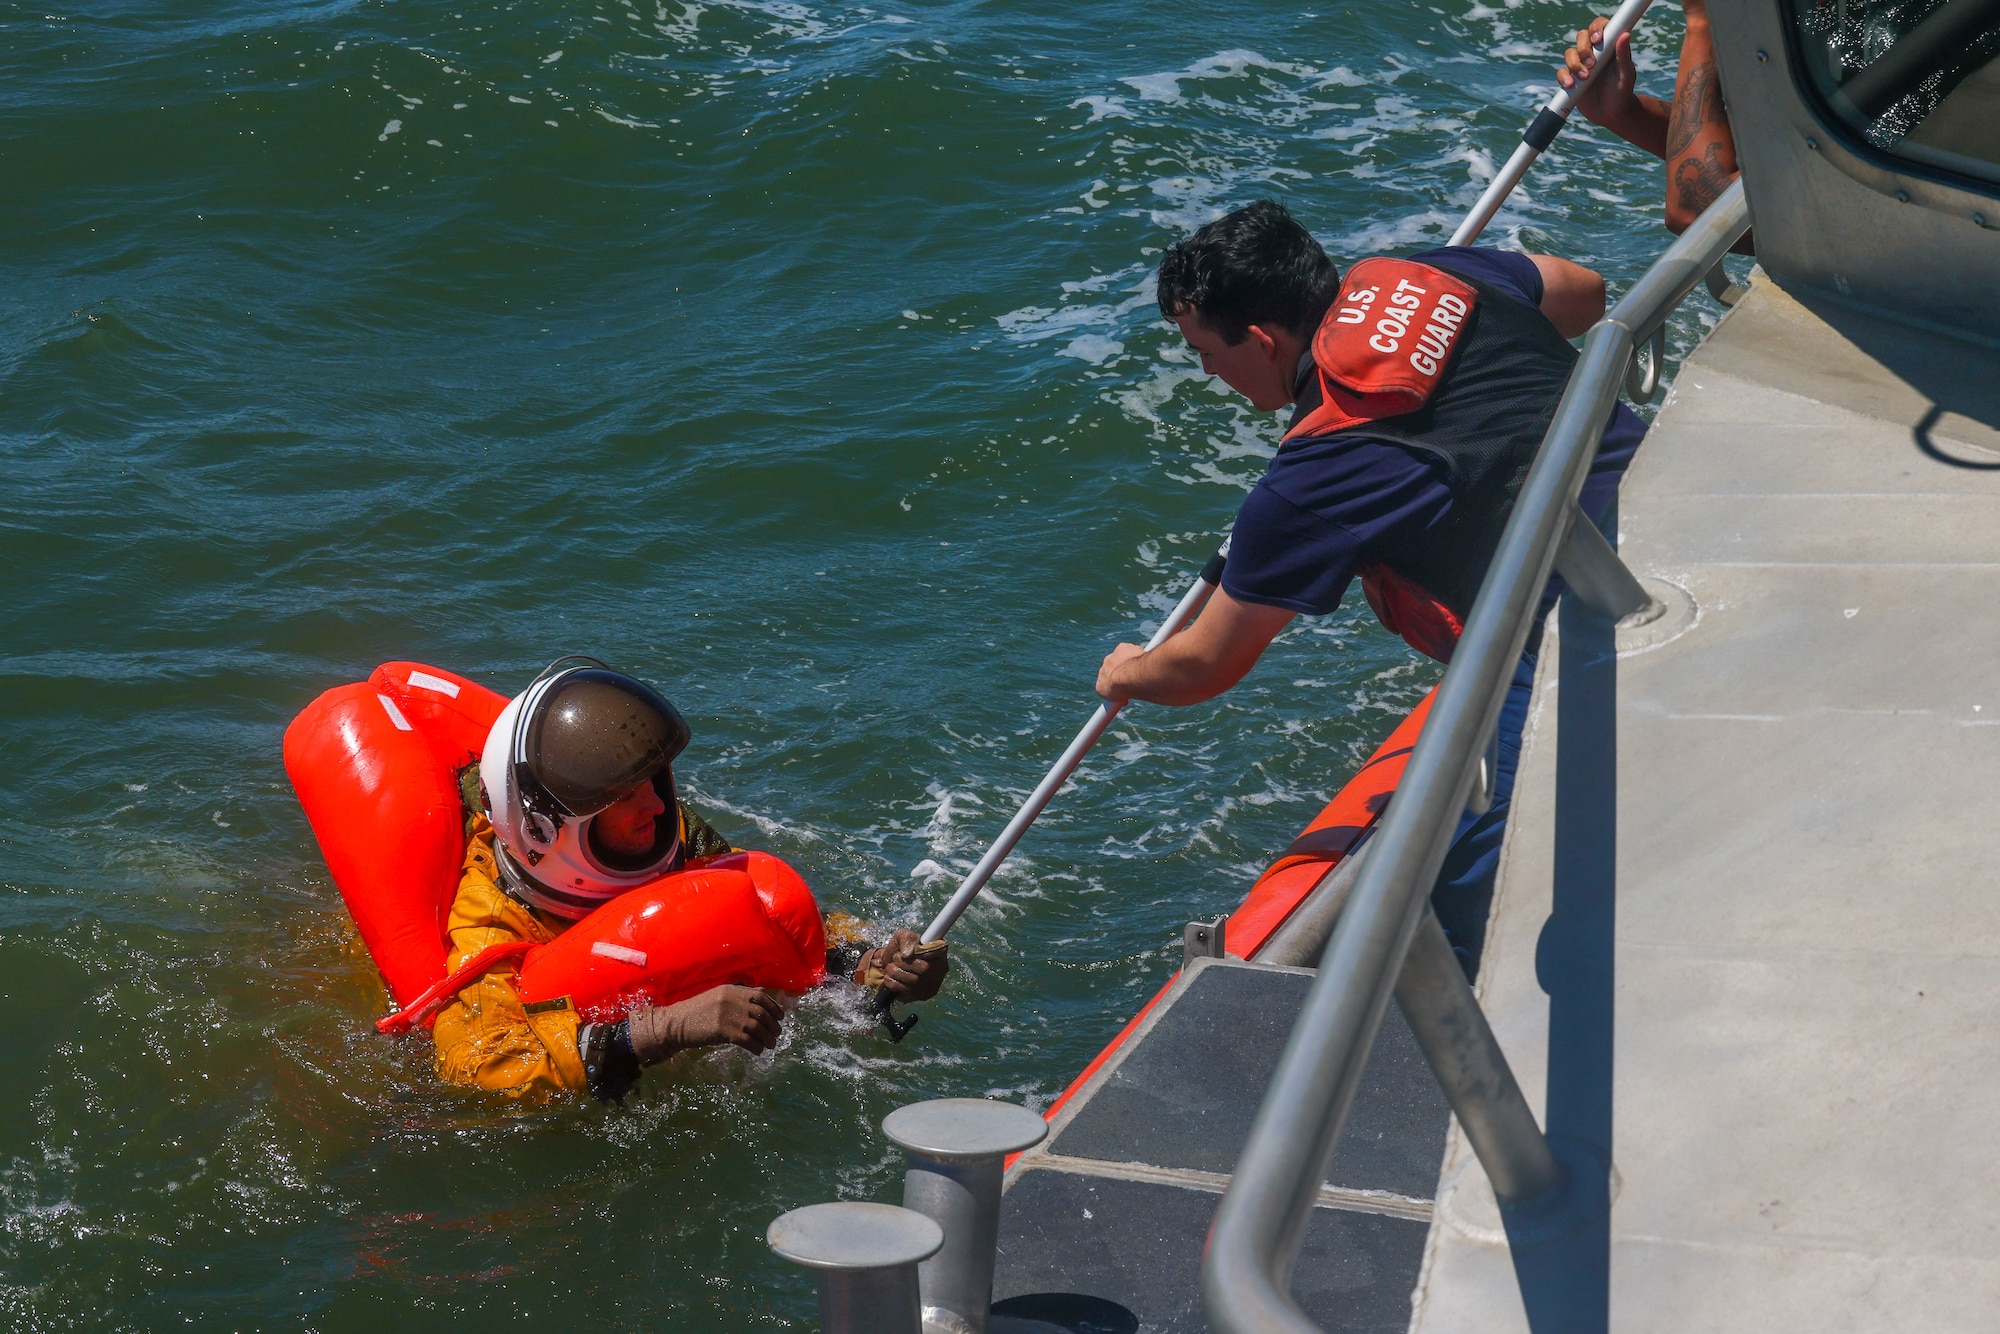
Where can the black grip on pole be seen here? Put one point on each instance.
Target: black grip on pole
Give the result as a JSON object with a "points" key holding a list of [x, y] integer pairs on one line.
{"points": [[883, 1006], [1543, 129], [1211, 573]]}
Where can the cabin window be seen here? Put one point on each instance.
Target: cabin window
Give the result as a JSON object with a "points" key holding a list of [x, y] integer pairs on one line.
{"points": [[1916, 79]]}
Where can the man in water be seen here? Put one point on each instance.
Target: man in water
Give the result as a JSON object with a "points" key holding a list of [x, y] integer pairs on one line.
{"points": [[574, 804], [1420, 393]]}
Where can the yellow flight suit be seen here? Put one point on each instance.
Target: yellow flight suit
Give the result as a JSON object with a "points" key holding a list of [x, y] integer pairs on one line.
{"points": [[486, 1037]]}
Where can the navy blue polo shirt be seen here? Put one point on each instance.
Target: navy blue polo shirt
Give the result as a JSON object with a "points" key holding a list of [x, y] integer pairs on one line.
{"points": [[1326, 507]]}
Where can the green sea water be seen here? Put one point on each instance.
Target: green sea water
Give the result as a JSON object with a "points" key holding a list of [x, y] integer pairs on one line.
{"points": [[799, 358]]}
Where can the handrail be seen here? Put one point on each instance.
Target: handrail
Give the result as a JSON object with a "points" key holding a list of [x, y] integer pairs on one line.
{"points": [[1262, 1219]]}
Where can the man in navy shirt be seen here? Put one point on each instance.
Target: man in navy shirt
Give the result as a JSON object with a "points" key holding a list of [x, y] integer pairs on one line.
{"points": [[1409, 501]]}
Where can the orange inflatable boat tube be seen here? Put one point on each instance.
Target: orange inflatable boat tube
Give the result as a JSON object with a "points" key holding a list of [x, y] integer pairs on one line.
{"points": [[1327, 841], [376, 765]]}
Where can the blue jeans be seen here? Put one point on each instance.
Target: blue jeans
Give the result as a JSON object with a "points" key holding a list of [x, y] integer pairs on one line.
{"points": [[1464, 889]]}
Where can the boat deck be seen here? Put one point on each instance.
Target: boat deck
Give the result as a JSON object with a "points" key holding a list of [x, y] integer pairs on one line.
{"points": [[1752, 956], [1102, 1226]]}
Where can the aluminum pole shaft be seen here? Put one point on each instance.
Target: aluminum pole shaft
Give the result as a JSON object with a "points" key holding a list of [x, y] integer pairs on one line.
{"points": [[1072, 756], [1542, 130]]}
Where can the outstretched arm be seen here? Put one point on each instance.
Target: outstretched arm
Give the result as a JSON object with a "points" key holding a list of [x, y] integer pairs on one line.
{"points": [[1572, 296], [1200, 662], [740, 1016], [614, 1054]]}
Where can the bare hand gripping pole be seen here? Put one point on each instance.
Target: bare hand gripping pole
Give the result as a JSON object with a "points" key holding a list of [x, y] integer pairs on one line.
{"points": [[1544, 128], [1205, 583]]}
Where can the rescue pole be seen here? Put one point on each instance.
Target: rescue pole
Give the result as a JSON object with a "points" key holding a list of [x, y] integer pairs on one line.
{"points": [[968, 889], [1541, 132], [1544, 128]]}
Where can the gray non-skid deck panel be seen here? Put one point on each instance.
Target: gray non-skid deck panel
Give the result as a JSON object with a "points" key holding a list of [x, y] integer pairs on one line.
{"points": [[1138, 1245], [1186, 1095], [1799, 931], [1180, 1095]]}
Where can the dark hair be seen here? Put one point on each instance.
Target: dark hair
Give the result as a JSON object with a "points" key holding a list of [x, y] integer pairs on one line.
{"points": [[1254, 266]]}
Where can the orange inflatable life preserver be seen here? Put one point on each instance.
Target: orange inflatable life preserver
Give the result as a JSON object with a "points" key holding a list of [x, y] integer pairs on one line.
{"points": [[376, 765], [1332, 835]]}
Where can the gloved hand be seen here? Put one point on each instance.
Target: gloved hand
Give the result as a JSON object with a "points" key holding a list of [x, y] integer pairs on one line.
{"points": [[905, 968], [743, 1016]]}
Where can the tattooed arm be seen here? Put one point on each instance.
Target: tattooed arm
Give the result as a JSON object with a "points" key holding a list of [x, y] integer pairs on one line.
{"points": [[1700, 151]]}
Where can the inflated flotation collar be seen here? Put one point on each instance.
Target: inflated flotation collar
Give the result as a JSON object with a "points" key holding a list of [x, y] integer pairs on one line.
{"points": [[376, 767], [1459, 372], [743, 917]]}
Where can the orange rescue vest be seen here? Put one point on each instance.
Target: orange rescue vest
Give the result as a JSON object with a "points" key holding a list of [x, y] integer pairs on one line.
{"points": [[1457, 371]]}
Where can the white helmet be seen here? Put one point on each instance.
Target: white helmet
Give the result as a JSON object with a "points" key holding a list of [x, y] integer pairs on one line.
{"points": [[579, 739]]}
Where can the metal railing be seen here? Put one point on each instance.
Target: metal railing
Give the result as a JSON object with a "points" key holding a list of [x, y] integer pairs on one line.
{"points": [[1387, 941]]}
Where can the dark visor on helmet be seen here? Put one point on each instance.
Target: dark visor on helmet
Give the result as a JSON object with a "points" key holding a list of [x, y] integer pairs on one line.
{"points": [[594, 735]]}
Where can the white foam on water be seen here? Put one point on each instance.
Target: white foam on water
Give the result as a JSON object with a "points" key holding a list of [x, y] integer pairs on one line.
{"points": [[1157, 87], [1189, 202], [1103, 108], [1479, 167], [1136, 278], [1340, 77], [1431, 225], [680, 28], [1248, 439], [1392, 114], [1093, 348], [1223, 65], [939, 833], [1032, 323], [1142, 402], [783, 19], [1209, 472], [768, 827]]}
